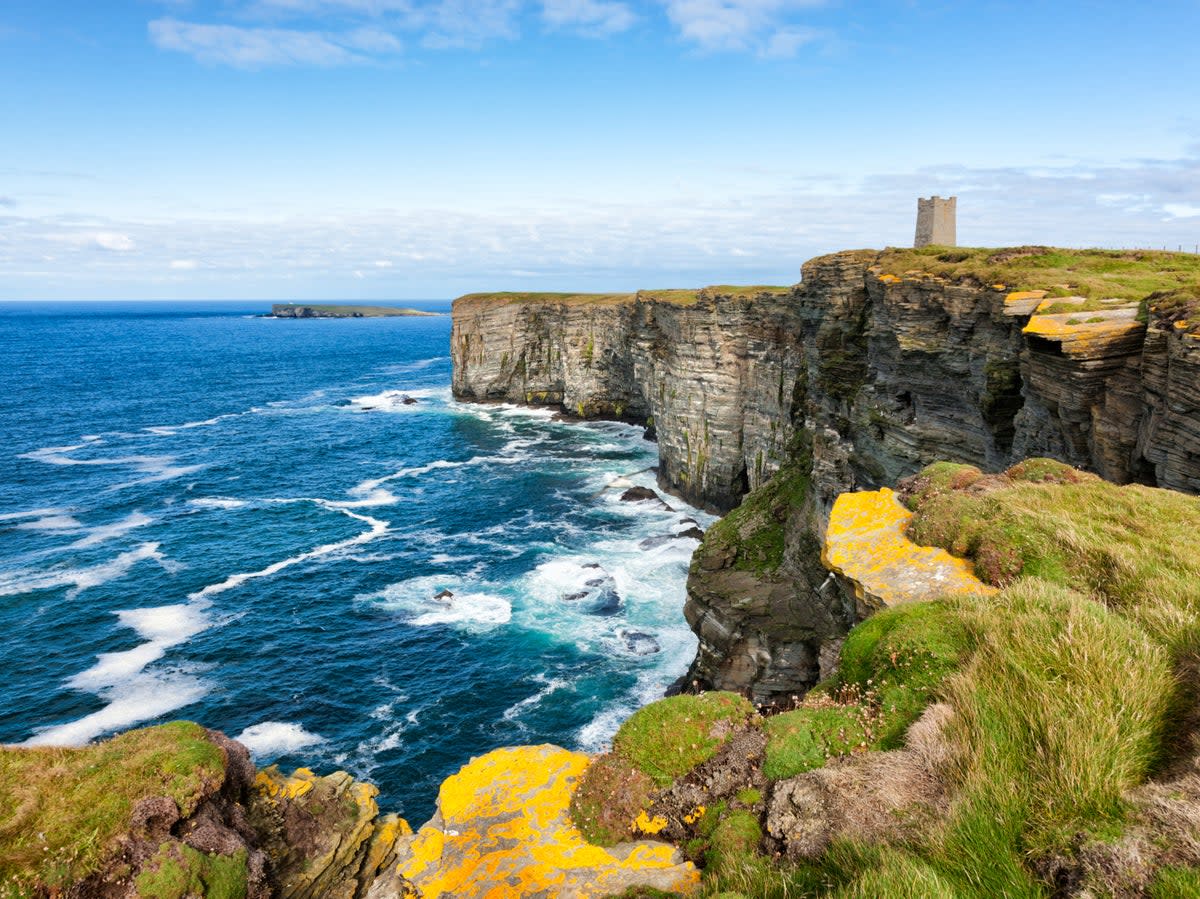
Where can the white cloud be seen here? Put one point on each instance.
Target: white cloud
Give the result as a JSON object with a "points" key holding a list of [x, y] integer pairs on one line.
{"points": [[762, 25], [1181, 210], [184, 265], [253, 48], [590, 17], [748, 232], [114, 242]]}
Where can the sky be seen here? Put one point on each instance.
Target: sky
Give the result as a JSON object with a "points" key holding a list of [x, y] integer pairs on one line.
{"points": [[401, 149]]}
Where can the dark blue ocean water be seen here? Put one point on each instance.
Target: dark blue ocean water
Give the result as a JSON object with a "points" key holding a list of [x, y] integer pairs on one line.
{"points": [[238, 520]]}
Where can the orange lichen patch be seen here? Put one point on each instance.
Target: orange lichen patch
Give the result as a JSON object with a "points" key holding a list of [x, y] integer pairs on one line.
{"points": [[274, 784], [889, 279], [503, 829], [866, 543], [1087, 332], [998, 287], [645, 824], [1023, 302]]}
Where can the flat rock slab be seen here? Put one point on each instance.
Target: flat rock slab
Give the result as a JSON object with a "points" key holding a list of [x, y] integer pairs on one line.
{"points": [[503, 829], [866, 543]]}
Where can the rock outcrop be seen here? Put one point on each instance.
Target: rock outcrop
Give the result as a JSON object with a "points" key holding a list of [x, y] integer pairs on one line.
{"points": [[864, 372], [176, 811]]}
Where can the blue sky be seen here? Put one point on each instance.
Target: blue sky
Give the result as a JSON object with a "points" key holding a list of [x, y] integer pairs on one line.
{"points": [[396, 149]]}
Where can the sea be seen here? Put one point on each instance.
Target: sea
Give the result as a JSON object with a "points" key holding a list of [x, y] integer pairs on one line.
{"points": [[290, 531]]}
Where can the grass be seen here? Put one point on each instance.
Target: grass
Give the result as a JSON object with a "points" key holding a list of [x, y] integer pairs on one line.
{"points": [[1130, 275], [667, 739], [1098, 615], [899, 659], [62, 809]]}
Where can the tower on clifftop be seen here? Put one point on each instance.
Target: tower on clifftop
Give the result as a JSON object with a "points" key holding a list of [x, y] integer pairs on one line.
{"points": [[935, 222]]}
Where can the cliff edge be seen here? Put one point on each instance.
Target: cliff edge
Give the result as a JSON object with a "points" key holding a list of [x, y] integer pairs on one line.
{"points": [[871, 367]]}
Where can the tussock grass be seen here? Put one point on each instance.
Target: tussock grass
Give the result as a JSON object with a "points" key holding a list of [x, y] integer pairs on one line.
{"points": [[62, 809]]}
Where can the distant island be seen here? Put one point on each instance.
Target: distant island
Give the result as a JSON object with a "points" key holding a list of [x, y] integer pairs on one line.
{"points": [[327, 310]]}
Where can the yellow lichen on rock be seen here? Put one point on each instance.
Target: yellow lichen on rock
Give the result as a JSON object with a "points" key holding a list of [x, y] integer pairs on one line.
{"points": [[866, 543], [1023, 302], [503, 830], [1085, 332]]}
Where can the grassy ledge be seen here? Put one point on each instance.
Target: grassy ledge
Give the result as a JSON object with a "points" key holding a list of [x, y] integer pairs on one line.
{"points": [[61, 810], [1130, 275]]}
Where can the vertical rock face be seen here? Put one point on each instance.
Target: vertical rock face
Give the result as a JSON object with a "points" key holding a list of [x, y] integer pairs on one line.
{"points": [[879, 373], [713, 372]]}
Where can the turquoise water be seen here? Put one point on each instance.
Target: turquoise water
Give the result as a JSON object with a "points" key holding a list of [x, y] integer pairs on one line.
{"points": [[211, 515]]}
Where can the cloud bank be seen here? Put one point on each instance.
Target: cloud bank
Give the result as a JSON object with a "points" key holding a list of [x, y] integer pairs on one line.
{"points": [[688, 240]]}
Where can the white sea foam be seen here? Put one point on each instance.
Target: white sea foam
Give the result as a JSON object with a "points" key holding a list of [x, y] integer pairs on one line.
{"points": [[405, 368], [366, 488], [132, 693], [468, 607], [162, 627], [51, 524], [103, 533], [153, 468], [144, 697], [274, 738], [79, 579], [33, 513], [217, 502], [394, 400], [549, 686], [377, 529]]}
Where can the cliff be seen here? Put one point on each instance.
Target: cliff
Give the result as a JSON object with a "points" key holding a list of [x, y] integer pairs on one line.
{"points": [[177, 811], [871, 367]]}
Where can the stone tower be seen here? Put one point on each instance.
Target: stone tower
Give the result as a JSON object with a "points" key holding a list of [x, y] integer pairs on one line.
{"points": [[935, 222]]}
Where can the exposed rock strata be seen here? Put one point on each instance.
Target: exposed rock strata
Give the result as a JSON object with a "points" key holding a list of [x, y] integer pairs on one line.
{"points": [[879, 373]]}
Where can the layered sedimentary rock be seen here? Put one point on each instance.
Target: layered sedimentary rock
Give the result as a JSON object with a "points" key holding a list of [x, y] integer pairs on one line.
{"points": [[879, 371], [713, 372]]}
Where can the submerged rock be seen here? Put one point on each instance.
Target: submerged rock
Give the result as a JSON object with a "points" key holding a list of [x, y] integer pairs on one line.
{"points": [[638, 642], [598, 596]]}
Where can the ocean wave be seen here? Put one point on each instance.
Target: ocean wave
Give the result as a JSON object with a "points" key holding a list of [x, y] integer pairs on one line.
{"points": [[104, 533], [269, 739], [377, 529], [154, 468], [162, 627], [549, 686], [51, 524], [217, 502], [142, 698], [406, 368], [80, 579], [466, 606]]}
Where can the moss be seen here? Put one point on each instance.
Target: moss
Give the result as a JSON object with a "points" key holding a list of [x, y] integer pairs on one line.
{"points": [[668, 738], [178, 871], [755, 531], [806, 738], [61, 810], [749, 796]]}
